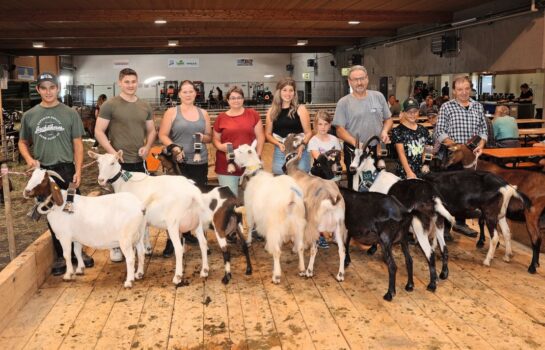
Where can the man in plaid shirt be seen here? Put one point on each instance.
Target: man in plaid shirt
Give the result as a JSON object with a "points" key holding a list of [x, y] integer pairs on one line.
{"points": [[459, 120]]}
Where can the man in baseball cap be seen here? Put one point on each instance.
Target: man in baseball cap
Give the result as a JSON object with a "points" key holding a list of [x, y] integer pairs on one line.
{"points": [[48, 77]]}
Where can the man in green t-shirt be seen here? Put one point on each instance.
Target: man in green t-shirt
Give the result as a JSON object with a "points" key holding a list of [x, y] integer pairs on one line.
{"points": [[54, 132], [130, 126]]}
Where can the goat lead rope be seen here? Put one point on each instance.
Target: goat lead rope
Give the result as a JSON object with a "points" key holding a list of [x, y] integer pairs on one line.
{"points": [[88, 164]]}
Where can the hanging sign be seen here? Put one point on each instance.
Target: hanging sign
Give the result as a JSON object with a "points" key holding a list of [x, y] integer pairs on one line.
{"points": [[184, 62]]}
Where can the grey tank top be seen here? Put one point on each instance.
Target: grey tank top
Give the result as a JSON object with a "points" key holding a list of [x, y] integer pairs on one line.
{"points": [[182, 131]]}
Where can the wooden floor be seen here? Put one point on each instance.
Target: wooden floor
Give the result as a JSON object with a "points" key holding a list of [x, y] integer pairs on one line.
{"points": [[501, 307]]}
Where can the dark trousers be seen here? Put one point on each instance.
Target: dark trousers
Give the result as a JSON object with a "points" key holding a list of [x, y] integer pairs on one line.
{"points": [[458, 166], [195, 172], [133, 167], [66, 171]]}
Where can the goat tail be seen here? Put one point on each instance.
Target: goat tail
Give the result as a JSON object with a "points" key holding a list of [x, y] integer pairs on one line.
{"points": [[508, 192], [441, 210], [526, 201]]}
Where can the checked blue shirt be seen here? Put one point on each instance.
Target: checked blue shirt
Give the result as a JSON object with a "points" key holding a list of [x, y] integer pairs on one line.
{"points": [[460, 124]]}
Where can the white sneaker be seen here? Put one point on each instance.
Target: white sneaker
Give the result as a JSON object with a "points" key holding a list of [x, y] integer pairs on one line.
{"points": [[116, 255]]}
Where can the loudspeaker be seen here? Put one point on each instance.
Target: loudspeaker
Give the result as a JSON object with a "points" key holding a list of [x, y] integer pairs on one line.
{"points": [[356, 59], [311, 62], [332, 63], [289, 67]]}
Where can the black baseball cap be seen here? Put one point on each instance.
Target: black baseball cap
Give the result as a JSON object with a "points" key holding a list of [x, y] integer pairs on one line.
{"points": [[410, 103], [48, 77], [432, 113]]}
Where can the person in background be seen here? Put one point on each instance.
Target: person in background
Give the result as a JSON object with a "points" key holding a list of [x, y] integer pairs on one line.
{"points": [[395, 107], [129, 121], [237, 126], [409, 139], [459, 120], [181, 128], [363, 113], [54, 131], [526, 94], [428, 106], [100, 101], [505, 128], [287, 116], [445, 91]]}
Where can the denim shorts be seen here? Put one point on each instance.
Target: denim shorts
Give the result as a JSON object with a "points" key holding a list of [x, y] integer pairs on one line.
{"points": [[230, 181], [279, 159]]}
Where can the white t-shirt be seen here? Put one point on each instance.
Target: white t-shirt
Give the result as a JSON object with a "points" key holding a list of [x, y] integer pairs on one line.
{"points": [[316, 144]]}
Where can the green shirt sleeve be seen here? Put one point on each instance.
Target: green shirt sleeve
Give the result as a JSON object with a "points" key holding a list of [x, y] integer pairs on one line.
{"points": [[106, 111], [24, 132], [77, 127]]}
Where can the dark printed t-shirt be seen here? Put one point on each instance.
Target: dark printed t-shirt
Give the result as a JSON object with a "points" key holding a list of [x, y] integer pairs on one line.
{"points": [[413, 144]]}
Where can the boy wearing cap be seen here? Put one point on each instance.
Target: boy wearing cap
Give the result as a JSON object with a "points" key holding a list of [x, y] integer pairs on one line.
{"points": [[54, 132], [409, 139]]}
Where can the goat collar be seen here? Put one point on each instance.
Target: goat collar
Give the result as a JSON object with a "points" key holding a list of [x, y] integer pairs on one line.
{"points": [[252, 170], [290, 156], [126, 175], [46, 205], [473, 164]]}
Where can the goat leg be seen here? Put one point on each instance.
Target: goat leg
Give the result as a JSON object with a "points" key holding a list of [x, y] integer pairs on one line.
{"points": [[482, 239], [409, 287], [141, 254], [67, 254], [203, 244], [386, 246], [313, 251], [506, 232], [245, 250], [347, 259], [128, 252], [77, 252], [342, 254], [439, 235]]}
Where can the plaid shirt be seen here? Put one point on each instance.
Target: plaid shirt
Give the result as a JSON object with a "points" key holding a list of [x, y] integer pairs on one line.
{"points": [[460, 124]]}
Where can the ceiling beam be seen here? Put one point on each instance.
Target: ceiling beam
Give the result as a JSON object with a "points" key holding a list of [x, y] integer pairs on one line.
{"points": [[154, 32], [197, 15]]}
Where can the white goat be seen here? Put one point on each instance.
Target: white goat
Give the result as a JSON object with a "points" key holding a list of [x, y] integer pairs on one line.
{"points": [[113, 220], [178, 205], [324, 203], [275, 205]]}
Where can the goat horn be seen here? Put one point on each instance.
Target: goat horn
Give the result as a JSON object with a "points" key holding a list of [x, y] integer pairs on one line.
{"points": [[369, 141], [357, 145], [55, 174]]}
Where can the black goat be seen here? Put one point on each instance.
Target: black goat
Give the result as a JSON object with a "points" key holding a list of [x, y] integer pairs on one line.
{"points": [[475, 194], [378, 218]]}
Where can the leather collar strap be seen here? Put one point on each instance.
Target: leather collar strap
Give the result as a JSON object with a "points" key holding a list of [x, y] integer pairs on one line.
{"points": [[114, 179]]}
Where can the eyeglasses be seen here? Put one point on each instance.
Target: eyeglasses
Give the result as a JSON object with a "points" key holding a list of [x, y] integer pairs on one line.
{"points": [[359, 79], [236, 98]]}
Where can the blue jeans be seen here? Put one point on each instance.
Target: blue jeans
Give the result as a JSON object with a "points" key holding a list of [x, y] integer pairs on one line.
{"points": [[279, 159], [230, 181]]}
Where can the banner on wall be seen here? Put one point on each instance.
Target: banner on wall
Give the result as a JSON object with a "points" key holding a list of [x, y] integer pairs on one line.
{"points": [[185, 62], [245, 62], [121, 64], [25, 73]]}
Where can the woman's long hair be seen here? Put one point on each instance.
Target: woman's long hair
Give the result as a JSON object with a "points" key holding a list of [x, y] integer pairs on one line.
{"points": [[276, 105]]}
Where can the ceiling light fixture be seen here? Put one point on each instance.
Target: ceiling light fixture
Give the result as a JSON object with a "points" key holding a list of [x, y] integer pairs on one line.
{"points": [[160, 21], [302, 42], [173, 43], [353, 22], [268, 76], [154, 78], [38, 44]]}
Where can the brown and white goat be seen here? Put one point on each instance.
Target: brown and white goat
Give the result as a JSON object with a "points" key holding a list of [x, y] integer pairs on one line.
{"points": [[275, 206], [224, 217], [109, 221], [324, 204]]}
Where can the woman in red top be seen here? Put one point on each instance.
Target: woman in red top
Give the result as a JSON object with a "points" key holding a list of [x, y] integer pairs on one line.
{"points": [[237, 126]]}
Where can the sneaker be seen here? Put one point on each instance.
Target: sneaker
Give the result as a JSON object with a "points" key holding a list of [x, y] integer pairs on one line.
{"points": [[465, 230], [116, 255], [59, 266], [169, 249], [322, 243], [87, 260]]}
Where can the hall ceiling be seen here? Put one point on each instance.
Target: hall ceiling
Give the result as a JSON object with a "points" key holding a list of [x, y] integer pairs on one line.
{"points": [[207, 26]]}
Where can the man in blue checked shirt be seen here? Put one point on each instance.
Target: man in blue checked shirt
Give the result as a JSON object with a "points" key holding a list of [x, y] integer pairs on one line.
{"points": [[459, 120]]}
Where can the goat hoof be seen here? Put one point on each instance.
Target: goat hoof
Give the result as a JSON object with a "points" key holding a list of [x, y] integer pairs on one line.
{"points": [[372, 250], [486, 262], [431, 287], [248, 270], [276, 279], [388, 296], [409, 287], [443, 275], [139, 275], [79, 271], [309, 273], [177, 280], [347, 262], [532, 269], [480, 244], [128, 284], [226, 278], [67, 277], [148, 251], [506, 258], [340, 277], [204, 273]]}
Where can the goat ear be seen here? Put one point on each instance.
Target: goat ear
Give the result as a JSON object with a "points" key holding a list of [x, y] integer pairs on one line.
{"points": [[92, 154], [56, 193], [119, 154]]}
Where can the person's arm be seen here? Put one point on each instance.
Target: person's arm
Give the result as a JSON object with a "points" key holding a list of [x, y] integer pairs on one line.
{"points": [[344, 135], [216, 140], [24, 150], [304, 117], [166, 125], [404, 162], [315, 154], [78, 160], [441, 128], [207, 136], [100, 135], [150, 139], [269, 132], [260, 137], [388, 123]]}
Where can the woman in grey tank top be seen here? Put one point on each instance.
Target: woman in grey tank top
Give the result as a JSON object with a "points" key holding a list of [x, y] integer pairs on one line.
{"points": [[181, 127]]}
